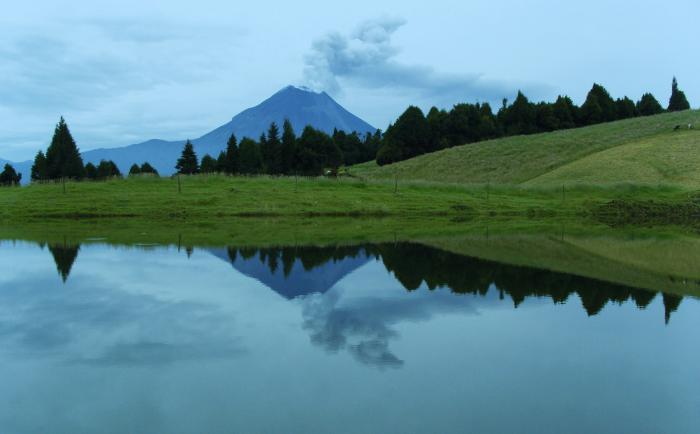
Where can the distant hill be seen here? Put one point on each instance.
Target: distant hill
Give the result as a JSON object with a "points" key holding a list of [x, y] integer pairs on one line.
{"points": [[638, 150], [300, 105]]}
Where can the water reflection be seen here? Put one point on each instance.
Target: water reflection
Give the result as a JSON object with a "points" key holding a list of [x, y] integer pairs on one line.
{"points": [[303, 270]]}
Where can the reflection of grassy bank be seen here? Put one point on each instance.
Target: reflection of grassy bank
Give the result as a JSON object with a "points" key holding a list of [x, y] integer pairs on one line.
{"points": [[657, 259], [216, 197]]}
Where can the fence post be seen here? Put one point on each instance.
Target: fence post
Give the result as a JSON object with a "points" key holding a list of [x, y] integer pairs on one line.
{"points": [[179, 188]]}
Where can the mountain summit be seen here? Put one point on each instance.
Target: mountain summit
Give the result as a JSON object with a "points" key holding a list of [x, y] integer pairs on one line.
{"points": [[300, 105]]}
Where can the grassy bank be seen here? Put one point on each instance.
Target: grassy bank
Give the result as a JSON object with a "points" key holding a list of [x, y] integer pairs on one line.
{"points": [[212, 197], [643, 150]]}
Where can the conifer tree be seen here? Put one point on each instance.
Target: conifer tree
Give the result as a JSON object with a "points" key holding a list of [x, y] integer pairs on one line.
{"points": [[678, 100], [232, 156], [39, 168], [146, 168], [187, 164], [274, 146], [648, 105], [90, 171], [134, 170], [63, 159], [9, 177], [250, 157], [208, 164], [288, 164]]}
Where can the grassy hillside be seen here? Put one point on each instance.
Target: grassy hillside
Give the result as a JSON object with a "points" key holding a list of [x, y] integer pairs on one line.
{"points": [[644, 150]]}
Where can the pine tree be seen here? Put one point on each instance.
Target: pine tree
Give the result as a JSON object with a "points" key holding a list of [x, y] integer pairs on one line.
{"points": [[208, 164], [134, 170], [598, 107], [564, 110], [39, 168], [90, 171], [63, 159], [408, 137], [187, 164], [107, 169], [678, 100], [274, 159], [9, 177], [648, 105], [232, 156], [146, 168], [265, 153], [250, 157], [288, 164]]}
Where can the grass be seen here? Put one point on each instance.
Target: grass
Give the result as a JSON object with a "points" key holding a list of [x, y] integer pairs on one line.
{"points": [[208, 198], [641, 150]]}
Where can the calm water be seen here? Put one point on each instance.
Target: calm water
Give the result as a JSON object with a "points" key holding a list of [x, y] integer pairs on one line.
{"points": [[377, 338]]}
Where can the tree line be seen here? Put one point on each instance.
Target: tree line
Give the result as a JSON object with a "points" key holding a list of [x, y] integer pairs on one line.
{"points": [[283, 153], [414, 133]]}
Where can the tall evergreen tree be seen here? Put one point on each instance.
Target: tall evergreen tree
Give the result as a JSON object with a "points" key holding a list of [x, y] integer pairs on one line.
{"points": [[648, 105], [134, 170], [317, 151], [625, 108], [231, 165], [63, 159], [40, 168], [520, 117], [408, 137], [146, 168], [187, 164], [90, 171], [565, 111], [678, 100], [9, 176], [273, 161], [598, 107], [288, 164], [208, 164], [107, 169], [250, 157]]}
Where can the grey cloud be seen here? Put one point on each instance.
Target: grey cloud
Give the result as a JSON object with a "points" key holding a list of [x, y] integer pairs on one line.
{"points": [[367, 58]]}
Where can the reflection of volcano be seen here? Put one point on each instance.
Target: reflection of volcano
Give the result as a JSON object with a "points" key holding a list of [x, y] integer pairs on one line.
{"points": [[295, 271]]}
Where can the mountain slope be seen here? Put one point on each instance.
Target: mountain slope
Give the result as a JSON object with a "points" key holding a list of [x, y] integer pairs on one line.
{"points": [[301, 106], [520, 159]]}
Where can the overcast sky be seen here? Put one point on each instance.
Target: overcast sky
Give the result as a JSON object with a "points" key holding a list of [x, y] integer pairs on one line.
{"points": [[128, 71]]}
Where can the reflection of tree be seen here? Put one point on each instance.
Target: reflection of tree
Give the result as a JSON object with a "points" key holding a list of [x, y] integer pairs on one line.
{"points": [[417, 264], [64, 255], [671, 303]]}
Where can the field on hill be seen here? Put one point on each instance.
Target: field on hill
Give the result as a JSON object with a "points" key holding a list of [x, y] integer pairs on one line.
{"points": [[643, 150]]}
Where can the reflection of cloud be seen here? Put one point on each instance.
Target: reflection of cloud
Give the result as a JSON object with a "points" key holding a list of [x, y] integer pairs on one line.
{"points": [[363, 326], [98, 325]]}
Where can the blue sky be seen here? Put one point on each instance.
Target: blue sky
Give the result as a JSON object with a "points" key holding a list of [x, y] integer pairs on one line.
{"points": [[127, 72]]}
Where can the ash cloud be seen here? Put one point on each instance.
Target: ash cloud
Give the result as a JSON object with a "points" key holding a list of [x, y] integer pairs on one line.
{"points": [[368, 58]]}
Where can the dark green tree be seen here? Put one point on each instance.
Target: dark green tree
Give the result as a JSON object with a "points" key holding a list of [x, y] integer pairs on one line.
{"points": [[107, 169], [520, 117], [648, 105], [9, 176], [250, 162], [625, 108], [317, 151], [63, 159], [208, 164], [273, 158], [134, 170], [187, 164], [40, 168], [64, 256], [408, 137], [90, 171], [148, 169], [598, 107], [232, 162], [565, 111], [288, 152], [678, 100]]}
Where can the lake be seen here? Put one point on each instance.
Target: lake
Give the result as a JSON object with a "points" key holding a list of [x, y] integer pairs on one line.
{"points": [[402, 336]]}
